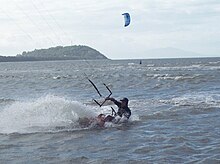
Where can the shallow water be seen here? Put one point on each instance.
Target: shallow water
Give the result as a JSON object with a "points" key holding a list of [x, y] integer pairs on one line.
{"points": [[175, 107]]}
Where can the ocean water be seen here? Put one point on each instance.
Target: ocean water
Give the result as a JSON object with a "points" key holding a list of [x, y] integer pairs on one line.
{"points": [[175, 106]]}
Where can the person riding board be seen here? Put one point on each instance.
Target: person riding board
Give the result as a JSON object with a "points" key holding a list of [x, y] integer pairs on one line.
{"points": [[123, 112], [123, 109]]}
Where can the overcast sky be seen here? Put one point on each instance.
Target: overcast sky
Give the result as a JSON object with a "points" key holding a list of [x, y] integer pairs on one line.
{"points": [[191, 25]]}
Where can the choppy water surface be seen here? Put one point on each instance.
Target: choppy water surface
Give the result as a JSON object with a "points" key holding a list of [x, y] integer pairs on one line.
{"points": [[175, 107]]}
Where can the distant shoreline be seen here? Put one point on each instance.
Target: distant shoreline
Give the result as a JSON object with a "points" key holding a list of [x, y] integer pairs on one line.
{"points": [[14, 59], [57, 53]]}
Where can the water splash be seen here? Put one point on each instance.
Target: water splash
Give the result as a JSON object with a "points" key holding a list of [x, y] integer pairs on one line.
{"points": [[43, 113]]}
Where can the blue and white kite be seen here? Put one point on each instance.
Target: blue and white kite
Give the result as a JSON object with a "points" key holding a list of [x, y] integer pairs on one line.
{"points": [[127, 19]]}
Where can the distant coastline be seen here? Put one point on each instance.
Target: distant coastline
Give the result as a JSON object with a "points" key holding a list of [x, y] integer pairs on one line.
{"points": [[76, 52]]}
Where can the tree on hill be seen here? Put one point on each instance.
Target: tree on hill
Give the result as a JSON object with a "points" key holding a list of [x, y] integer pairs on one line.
{"points": [[64, 53]]}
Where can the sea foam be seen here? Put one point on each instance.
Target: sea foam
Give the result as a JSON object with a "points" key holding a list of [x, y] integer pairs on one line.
{"points": [[45, 112]]}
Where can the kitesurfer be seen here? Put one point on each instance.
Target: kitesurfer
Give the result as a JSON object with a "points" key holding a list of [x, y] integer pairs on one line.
{"points": [[123, 112], [123, 109]]}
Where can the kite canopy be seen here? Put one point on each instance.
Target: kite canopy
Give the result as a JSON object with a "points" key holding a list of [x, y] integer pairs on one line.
{"points": [[127, 19]]}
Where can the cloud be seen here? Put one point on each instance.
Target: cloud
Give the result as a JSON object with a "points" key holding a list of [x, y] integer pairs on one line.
{"points": [[98, 23]]}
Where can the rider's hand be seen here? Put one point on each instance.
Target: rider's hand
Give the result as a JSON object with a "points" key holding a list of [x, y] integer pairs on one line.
{"points": [[109, 98]]}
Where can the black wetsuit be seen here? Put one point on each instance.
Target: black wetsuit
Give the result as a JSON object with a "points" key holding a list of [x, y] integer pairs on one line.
{"points": [[122, 110]]}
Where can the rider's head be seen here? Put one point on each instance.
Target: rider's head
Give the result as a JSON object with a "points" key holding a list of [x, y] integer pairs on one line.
{"points": [[124, 102]]}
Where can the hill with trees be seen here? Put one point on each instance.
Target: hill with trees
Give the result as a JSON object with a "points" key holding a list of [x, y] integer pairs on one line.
{"points": [[57, 53]]}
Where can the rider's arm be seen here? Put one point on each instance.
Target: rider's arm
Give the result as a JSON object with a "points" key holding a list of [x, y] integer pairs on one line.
{"points": [[115, 101]]}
